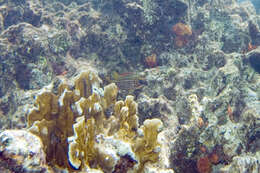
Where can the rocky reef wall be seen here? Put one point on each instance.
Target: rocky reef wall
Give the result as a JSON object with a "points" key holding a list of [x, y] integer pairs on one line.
{"points": [[192, 66]]}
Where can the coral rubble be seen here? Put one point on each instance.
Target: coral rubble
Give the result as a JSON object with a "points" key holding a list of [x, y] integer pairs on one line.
{"points": [[21, 151]]}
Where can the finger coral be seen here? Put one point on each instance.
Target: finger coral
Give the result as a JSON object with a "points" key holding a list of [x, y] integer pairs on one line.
{"points": [[76, 134], [147, 147]]}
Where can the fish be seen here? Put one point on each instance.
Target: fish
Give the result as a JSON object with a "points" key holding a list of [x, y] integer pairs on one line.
{"points": [[128, 81], [128, 85]]}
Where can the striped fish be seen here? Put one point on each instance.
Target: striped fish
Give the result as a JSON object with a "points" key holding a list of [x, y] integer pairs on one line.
{"points": [[128, 82]]}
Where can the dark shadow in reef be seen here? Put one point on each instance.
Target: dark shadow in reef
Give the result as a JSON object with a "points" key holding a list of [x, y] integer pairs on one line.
{"points": [[22, 76], [254, 61]]}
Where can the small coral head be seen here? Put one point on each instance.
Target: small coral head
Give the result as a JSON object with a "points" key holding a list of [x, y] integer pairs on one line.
{"points": [[180, 41], [214, 158], [181, 29], [151, 61], [182, 34], [204, 165]]}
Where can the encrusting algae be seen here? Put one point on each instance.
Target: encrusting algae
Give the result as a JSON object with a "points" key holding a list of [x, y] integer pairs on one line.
{"points": [[78, 136]]}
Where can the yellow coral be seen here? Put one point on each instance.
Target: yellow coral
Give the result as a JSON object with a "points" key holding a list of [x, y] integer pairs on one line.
{"points": [[125, 112], [56, 114], [74, 129], [47, 107], [110, 94], [147, 147], [85, 83], [82, 151]]}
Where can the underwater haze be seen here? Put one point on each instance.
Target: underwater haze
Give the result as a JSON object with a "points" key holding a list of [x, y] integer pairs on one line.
{"points": [[130, 86], [256, 4]]}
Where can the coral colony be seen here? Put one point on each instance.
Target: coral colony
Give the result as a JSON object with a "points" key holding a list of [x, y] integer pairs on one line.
{"points": [[94, 141]]}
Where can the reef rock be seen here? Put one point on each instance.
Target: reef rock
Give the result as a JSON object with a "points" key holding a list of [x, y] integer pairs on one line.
{"points": [[243, 163], [21, 151]]}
